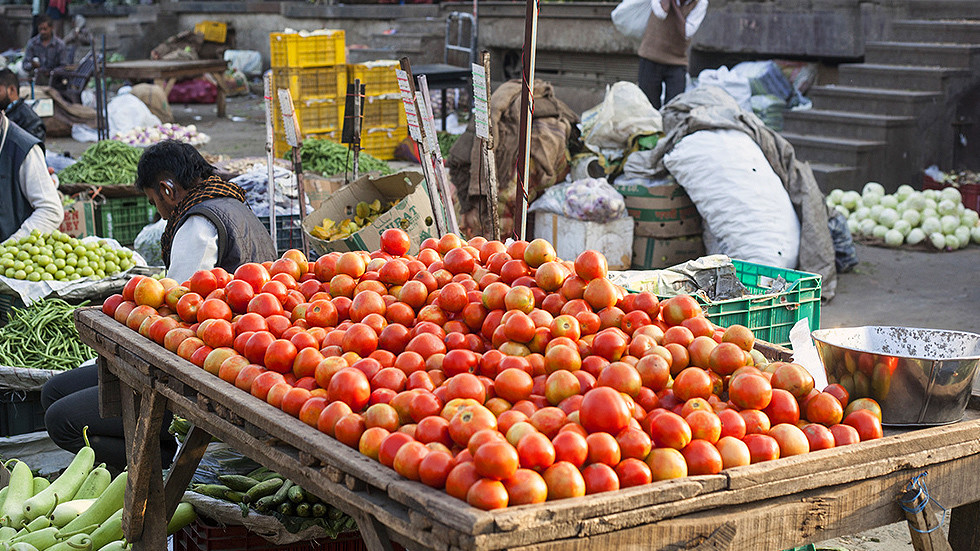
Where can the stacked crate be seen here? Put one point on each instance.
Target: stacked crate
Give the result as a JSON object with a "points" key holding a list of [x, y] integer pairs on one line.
{"points": [[313, 68], [384, 125]]}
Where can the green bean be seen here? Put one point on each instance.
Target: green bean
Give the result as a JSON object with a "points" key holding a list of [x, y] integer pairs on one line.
{"points": [[108, 162], [44, 336], [329, 158]]}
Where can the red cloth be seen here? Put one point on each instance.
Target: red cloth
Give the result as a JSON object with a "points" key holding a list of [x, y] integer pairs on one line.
{"points": [[193, 91]]}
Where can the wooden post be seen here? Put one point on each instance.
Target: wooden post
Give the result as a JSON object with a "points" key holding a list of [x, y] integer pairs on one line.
{"points": [[925, 529], [439, 167], [527, 109], [487, 157], [424, 158], [180, 474]]}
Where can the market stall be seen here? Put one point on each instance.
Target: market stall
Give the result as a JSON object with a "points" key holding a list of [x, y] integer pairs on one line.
{"points": [[166, 72]]}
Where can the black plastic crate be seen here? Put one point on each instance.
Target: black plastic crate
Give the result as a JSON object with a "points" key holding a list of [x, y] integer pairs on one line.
{"points": [[6, 303], [20, 412], [289, 231]]}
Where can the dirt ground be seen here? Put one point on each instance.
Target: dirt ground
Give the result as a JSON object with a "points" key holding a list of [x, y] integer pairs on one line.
{"points": [[888, 287]]}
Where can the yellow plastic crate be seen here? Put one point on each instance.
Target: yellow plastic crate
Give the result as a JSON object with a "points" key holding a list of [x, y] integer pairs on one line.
{"points": [[378, 77], [313, 83], [381, 142], [387, 113], [319, 50], [213, 31], [315, 116]]}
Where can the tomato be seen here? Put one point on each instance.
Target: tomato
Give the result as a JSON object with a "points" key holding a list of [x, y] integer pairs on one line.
{"points": [[213, 308], [732, 424], [254, 274], [526, 487], [824, 408], [750, 391], [434, 468], [603, 448], [761, 447], [705, 425], [783, 408], [600, 477], [330, 415], [564, 480], [791, 440], [604, 409], [468, 420], [669, 430], [692, 382], [497, 460], [349, 430], [408, 458], [433, 429], [666, 463], [460, 479], [487, 494], [633, 472], [279, 356], [868, 426], [350, 385]]}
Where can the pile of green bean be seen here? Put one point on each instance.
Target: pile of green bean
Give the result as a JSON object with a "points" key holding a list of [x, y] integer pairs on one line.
{"points": [[329, 158], [107, 163], [43, 336]]}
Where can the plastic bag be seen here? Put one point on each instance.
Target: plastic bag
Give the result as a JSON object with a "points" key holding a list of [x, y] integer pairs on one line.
{"points": [[845, 255], [735, 84], [741, 200], [765, 78], [624, 112], [630, 17], [246, 61], [591, 199], [127, 112], [770, 109], [148, 242]]}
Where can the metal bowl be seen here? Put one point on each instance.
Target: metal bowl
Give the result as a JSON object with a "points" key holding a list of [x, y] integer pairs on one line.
{"points": [[918, 376]]}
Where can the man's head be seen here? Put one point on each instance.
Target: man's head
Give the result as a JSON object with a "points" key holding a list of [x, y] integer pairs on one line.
{"points": [[8, 88], [45, 28], [167, 170]]}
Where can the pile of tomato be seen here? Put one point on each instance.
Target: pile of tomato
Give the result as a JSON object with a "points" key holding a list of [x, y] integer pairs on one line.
{"points": [[496, 372]]}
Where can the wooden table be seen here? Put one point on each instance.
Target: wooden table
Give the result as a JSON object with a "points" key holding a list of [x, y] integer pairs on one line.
{"points": [[165, 73], [767, 506]]}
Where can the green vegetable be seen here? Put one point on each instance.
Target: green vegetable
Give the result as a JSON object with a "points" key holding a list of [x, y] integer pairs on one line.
{"points": [[119, 545], [108, 503], [329, 158], [282, 494], [22, 546], [40, 483], [64, 488], [95, 483], [42, 539], [446, 142], [237, 482], [286, 509], [43, 336], [217, 491], [263, 489], [6, 534], [296, 494], [107, 163], [69, 511], [319, 510], [40, 523], [303, 510], [78, 542], [21, 488], [183, 515], [109, 531]]}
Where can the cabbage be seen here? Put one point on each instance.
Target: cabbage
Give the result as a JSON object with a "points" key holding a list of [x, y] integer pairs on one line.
{"points": [[835, 196], [829, 202], [871, 199], [931, 225], [949, 223], [888, 217], [894, 238], [946, 207], [929, 193], [938, 240], [915, 202], [963, 234], [952, 242], [849, 199], [854, 225], [876, 212], [915, 236], [889, 201], [902, 226], [873, 187], [843, 210], [879, 231], [929, 213], [867, 226], [912, 217], [931, 204], [969, 218], [975, 234], [904, 191], [862, 212], [952, 194]]}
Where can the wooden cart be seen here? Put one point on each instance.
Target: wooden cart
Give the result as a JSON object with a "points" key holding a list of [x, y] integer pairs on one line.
{"points": [[768, 506]]}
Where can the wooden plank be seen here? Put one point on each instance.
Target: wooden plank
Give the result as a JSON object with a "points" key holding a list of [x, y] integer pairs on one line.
{"points": [[922, 522], [182, 471], [110, 404], [145, 473], [964, 527], [373, 533]]}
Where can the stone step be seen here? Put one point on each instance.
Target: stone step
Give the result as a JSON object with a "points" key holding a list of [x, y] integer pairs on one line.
{"points": [[861, 154], [899, 77], [408, 41], [361, 55], [428, 25], [830, 177], [872, 100], [915, 53], [944, 9], [856, 125], [955, 30]]}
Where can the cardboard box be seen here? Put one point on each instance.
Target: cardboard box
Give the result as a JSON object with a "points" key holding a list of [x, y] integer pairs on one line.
{"points": [[650, 253], [79, 219], [571, 237], [661, 211], [412, 213], [319, 188]]}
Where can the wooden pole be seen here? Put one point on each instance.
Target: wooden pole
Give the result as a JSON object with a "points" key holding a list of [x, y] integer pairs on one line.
{"points": [[424, 159], [356, 123], [527, 110], [489, 159], [924, 529], [439, 167]]}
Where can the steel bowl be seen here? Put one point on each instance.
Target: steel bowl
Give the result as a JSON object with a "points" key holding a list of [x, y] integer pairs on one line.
{"points": [[918, 376]]}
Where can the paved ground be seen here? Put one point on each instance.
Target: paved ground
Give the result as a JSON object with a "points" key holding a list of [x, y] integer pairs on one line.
{"points": [[888, 287]]}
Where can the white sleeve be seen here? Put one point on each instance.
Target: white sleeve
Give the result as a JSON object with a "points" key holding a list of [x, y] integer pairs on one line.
{"points": [[657, 9], [695, 18], [195, 247], [36, 184]]}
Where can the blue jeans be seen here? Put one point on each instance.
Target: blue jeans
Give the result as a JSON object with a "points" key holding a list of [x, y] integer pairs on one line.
{"points": [[655, 77]]}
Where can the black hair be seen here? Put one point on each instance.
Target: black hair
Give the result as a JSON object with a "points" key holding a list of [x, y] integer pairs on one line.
{"points": [[8, 78], [44, 19], [170, 159]]}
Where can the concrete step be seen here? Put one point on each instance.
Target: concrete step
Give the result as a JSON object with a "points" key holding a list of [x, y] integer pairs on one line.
{"points": [[899, 77], [872, 100], [955, 30], [830, 177], [862, 154], [429, 25], [915, 53], [856, 125], [361, 55], [944, 9], [407, 41]]}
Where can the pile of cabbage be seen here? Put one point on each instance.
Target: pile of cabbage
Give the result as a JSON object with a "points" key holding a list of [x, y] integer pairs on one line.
{"points": [[908, 216], [145, 136]]}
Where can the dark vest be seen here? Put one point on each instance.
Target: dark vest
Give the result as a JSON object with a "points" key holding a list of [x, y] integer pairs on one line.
{"points": [[664, 40], [14, 206], [242, 238], [25, 117]]}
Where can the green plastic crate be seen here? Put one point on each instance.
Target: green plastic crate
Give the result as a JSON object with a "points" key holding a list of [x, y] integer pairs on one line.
{"points": [[769, 315], [122, 218]]}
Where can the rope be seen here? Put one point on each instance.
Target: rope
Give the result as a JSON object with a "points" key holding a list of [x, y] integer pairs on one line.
{"points": [[918, 502]]}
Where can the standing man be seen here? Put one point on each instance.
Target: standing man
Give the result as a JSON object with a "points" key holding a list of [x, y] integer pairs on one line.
{"points": [[17, 111], [28, 197], [664, 49], [49, 50]]}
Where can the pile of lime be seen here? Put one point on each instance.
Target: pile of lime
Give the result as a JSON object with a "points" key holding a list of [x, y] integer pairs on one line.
{"points": [[59, 257]]}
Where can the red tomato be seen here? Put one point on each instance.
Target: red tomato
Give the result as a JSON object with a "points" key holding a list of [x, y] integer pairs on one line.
{"points": [[497, 460], [350, 385], [866, 423], [604, 409], [279, 356]]}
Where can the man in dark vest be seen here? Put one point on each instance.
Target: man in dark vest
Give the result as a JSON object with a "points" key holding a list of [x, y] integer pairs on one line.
{"points": [[17, 111], [664, 49], [208, 225], [28, 197]]}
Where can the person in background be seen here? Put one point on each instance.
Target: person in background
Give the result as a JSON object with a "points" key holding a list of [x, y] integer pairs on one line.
{"points": [[45, 51], [28, 196], [17, 111], [664, 49], [58, 13], [208, 225]]}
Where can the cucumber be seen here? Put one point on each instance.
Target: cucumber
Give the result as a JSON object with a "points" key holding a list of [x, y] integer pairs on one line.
{"points": [[109, 531], [237, 482], [235, 497], [268, 476], [216, 491], [108, 503], [40, 483], [319, 510], [264, 504], [296, 494], [95, 483], [69, 511], [63, 489], [263, 489], [257, 472], [286, 509], [20, 489], [282, 494], [303, 510], [183, 515]]}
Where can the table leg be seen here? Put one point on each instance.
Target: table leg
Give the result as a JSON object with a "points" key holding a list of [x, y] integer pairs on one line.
{"points": [[374, 534], [924, 528], [220, 100], [145, 525], [964, 527], [167, 85], [188, 458]]}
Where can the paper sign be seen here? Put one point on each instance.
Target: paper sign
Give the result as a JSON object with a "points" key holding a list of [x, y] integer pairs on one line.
{"points": [[411, 116], [289, 122], [481, 108], [428, 124]]}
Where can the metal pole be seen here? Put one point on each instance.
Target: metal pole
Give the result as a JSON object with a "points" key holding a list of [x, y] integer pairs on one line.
{"points": [[442, 176], [298, 168], [269, 136], [356, 122], [527, 109]]}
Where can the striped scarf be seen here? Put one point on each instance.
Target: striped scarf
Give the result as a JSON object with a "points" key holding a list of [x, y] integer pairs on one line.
{"points": [[212, 188]]}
